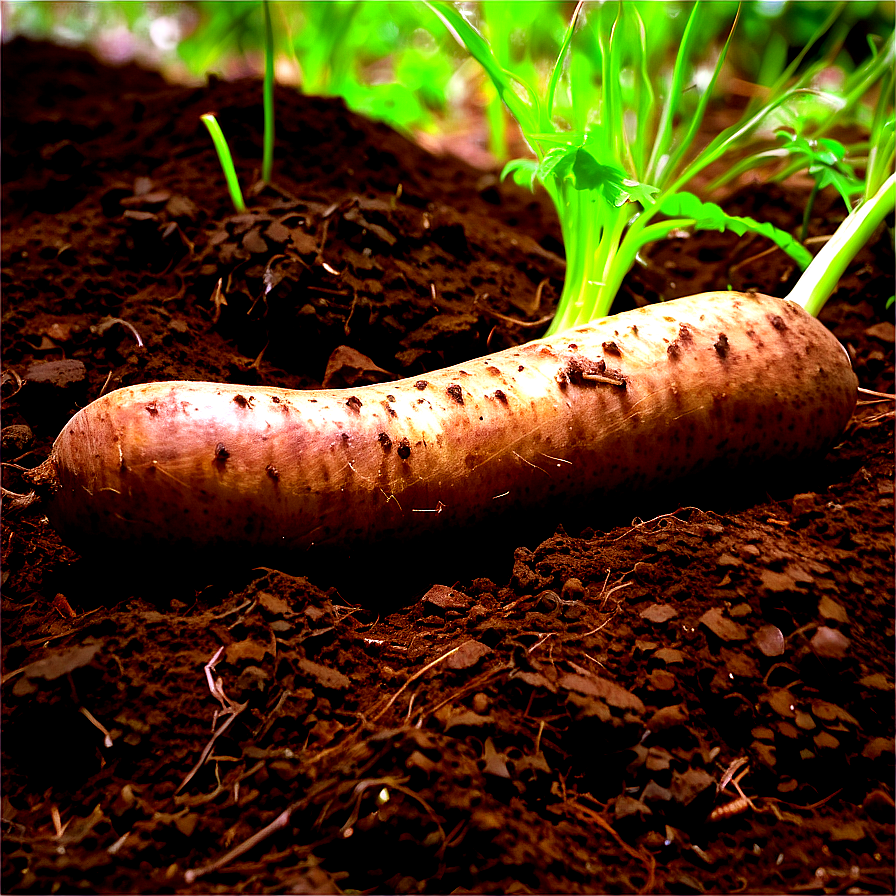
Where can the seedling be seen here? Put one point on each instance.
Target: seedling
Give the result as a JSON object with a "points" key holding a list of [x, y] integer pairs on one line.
{"points": [[226, 159]]}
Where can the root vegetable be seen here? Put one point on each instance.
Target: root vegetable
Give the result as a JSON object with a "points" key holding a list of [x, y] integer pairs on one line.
{"points": [[627, 403]]}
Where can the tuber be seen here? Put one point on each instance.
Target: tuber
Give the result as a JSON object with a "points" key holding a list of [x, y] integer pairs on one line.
{"points": [[628, 403]]}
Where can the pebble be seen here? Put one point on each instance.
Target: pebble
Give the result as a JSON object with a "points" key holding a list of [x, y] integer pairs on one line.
{"points": [[804, 503], [468, 655], [629, 807], [659, 613], [770, 640], [828, 643], [830, 609], [670, 656], [782, 702], [691, 785], [668, 717], [64, 374], [723, 628], [446, 598]]}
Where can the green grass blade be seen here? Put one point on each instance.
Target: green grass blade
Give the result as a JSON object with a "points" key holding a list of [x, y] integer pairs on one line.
{"points": [[267, 163], [557, 70], [665, 129], [224, 156], [525, 109], [687, 140]]}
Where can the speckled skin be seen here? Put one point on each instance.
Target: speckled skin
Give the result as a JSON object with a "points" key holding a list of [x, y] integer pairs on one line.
{"points": [[629, 402]]}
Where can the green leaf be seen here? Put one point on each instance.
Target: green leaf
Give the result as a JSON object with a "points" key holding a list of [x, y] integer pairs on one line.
{"points": [[709, 216], [523, 171]]}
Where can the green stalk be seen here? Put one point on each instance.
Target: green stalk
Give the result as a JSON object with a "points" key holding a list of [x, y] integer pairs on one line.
{"points": [[820, 279], [233, 184], [267, 163]]}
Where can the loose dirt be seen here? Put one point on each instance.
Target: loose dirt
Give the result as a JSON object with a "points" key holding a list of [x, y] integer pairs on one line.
{"points": [[692, 693]]}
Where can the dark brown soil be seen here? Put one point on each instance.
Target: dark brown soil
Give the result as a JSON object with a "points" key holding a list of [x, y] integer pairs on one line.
{"points": [[550, 711]]}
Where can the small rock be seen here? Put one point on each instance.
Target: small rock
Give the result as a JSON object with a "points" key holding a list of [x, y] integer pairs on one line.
{"points": [[670, 656], [325, 676], [668, 717], [804, 503], [824, 740], [64, 374], [884, 331], [850, 832], [785, 729], [830, 712], [658, 759], [770, 640], [879, 805], [781, 701], [723, 628], [347, 366], [877, 682], [661, 680], [804, 721], [659, 613], [728, 561], [765, 753], [467, 719], [879, 747], [828, 643], [480, 703], [691, 785], [830, 609], [468, 655], [742, 667], [445, 598], [629, 807], [254, 242], [654, 793], [777, 583]]}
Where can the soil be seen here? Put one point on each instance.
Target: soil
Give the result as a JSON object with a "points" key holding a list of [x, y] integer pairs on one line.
{"points": [[559, 709]]}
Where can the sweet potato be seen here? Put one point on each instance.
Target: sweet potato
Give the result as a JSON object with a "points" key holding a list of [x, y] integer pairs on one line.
{"points": [[626, 403]]}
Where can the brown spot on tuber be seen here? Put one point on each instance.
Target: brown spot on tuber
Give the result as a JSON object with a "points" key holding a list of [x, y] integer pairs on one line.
{"points": [[499, 394], [493, 370], [611, 348], [721, 345], [354, 404], [221, 454], [241, 401], [777, 321], [456, 393], [404, 449], [384, 441], [273, 472], [421, 384], [153, 408]]}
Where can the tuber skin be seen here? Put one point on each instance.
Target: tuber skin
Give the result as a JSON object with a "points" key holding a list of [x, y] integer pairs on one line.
{"points": [[625, 404]]}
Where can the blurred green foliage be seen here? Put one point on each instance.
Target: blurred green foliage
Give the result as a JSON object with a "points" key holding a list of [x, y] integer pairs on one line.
{"points": [[395, 61]]}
